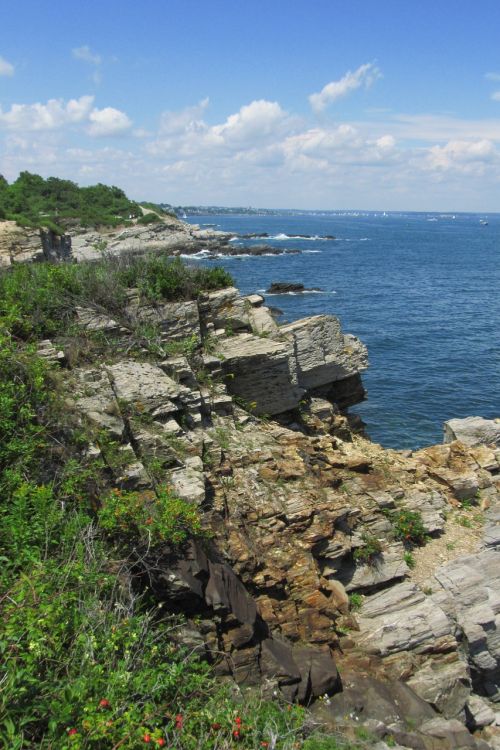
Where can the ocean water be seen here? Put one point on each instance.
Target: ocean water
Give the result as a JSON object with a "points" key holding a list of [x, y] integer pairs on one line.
{"points": [[421, 290]]}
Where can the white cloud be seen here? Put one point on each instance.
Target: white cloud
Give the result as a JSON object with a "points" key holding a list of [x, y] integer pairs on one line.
{"points": [[85, 53], [6, 68], [365, 76], [495, 96], [463, 156], [187, 119], [50, 116], [254, 121], [108, 121]]}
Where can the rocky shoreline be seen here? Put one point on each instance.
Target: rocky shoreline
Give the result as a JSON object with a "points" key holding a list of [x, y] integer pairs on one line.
{"points": [[361, 581], [171, 236]]}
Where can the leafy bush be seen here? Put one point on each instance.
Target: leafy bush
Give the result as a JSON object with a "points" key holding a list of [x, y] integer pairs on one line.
{"points": [[150, 218], [152, 517], [40, 299], [371, 548], [409, 526]]}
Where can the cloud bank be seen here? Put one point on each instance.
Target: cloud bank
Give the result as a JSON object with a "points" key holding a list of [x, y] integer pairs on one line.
{"points": [[365, 75]]}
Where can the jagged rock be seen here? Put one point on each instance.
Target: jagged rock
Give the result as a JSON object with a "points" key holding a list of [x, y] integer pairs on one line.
{"points": [[473, 587], [387, 566], [258, 371], [402, 618], [146, 387], [48, 351], [189, 484], [445, 684], [177, 320], [94, 320], [473, 431], [479, 713], [430, 504], [95, 398], [322, 352], [450, 733]]}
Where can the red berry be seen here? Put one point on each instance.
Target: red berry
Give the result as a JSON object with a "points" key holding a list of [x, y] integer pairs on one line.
{"points": [[146, 738], [161, 742], [104, 703], [215, 725], [236, 734], [237, 721], [73, 731]]}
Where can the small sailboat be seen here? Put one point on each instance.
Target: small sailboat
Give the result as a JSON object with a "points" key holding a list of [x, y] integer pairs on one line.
{"points": [[483, 222]]}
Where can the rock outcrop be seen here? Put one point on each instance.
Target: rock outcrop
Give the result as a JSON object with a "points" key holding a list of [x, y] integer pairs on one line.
{"points": [[314, 561]]}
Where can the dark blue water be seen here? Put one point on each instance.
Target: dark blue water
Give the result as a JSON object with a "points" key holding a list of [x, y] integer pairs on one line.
{"points": [[423, 296]]}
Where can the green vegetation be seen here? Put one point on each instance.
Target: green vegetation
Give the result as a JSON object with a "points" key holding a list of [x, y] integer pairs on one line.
{"points": [[33, 201], [91, 661], [408, 526], [39, 300], [369, 550], [355, 602], [409, 559]]}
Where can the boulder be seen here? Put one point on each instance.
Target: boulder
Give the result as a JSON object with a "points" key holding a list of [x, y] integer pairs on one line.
{"points": [[473, 431]]}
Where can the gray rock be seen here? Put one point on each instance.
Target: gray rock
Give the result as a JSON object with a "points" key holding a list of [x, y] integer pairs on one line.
{"points": [[473, 431], [479, 713], [387, 566], [445, 685], [430, 504], [95, 398], [146, 388], [322, 352], [473, 587], [259, 371], [401, 618], [189, 484]]}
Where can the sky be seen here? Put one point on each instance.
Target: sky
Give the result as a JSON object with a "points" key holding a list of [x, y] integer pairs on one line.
{"points": [[317, 104]]}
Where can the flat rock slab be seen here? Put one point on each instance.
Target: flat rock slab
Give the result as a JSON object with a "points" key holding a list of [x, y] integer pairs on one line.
{"points": [[473, 431], [146, 387], [401, 618]]}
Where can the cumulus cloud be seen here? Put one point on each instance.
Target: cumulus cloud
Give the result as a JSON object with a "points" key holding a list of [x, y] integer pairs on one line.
{"points": [[365, 75], [254, 121], [50, 116], [189, 118], [6, 68], [463, 156], [108, 121], [87, 55]]}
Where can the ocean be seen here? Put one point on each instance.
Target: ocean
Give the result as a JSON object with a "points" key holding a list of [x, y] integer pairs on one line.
{"points": [[421, 290]]}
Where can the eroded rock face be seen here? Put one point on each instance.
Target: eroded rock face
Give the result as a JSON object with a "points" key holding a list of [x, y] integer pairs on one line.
{"points": [[303, 525]]}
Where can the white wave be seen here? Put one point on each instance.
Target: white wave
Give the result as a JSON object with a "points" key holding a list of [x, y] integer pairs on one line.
{"points": [[312, 238], [298, 294], [310, 252], [197, 256]]}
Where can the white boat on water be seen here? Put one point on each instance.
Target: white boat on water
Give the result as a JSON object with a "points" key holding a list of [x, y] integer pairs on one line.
{"points": [[483, 222]]}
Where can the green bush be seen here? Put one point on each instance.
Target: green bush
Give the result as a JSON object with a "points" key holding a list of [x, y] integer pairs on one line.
{"points": [[369, 550], [150, 218], [408, 526], [151, 517]]}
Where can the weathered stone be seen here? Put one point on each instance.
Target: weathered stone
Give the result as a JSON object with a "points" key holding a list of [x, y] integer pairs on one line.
{"points": [[176, 320], [258, 371], [445, 685], [473, 431], [95, 398], [146, 388], [479, 713], [401, 618], [323, 354], [387, 566], [189, 484]]}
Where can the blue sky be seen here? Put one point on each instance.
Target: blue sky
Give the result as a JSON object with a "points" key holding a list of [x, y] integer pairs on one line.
{"points": [[361, 104]]}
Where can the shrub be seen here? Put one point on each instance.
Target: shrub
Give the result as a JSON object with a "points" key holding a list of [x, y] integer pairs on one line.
{"points": [[153, 518], [149, 218], [370, 549], [408, 526]]}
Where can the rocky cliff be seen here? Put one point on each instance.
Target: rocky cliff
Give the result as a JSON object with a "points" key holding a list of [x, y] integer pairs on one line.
{"points": [[336, 570]]}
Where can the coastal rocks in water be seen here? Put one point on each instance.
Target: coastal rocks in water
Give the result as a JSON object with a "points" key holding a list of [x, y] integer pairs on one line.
{"points": [[473, 431], [288, 287]]}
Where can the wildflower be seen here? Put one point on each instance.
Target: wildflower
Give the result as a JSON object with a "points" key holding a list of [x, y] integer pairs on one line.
{"points": [[179, 721], [146, 737], [72, 732], [104, 703]]}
